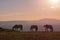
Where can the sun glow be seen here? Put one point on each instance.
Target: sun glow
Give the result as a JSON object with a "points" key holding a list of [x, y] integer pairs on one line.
{"points": [[53, 2], [52, 7]]}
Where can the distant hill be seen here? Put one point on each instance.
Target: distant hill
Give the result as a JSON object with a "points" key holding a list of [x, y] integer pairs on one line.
{"points": [[49, 21], [27, 24]]}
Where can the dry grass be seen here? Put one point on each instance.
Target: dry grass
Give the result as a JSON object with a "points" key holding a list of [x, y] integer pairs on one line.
{"points": [[29, 35]]}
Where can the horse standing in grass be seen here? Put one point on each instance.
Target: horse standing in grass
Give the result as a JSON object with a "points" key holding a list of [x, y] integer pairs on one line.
{"points": [[16, 27], [48, 27], [34, 27]]}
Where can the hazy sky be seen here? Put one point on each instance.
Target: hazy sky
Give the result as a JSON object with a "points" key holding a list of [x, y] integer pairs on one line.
{"points": [[28, 10]]}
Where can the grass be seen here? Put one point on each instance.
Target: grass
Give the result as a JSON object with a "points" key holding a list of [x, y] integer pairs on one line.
{"points": [[10, 35]]}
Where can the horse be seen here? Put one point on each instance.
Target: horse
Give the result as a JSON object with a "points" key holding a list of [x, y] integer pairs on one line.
{"points": [[48, 27], [34, 27], [16, 27]]}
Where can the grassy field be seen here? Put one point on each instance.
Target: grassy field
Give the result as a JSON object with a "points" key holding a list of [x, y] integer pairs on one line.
{"points": [[5, 35]]}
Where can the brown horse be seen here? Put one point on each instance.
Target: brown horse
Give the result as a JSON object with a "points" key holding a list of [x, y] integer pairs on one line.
{"points": [[48, 27], [16, 27], [34, 27]]}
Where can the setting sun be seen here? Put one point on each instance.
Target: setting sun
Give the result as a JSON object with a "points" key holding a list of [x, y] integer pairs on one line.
{"points": [[54, 3]]}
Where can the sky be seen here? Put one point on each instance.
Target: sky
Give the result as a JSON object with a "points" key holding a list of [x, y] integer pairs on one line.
{"points": [[14, 10]]}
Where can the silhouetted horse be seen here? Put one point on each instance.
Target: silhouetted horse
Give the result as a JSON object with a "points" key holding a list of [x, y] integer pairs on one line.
{"points": [[48, 27], [1, 28], [16, 27], [34, 27]]}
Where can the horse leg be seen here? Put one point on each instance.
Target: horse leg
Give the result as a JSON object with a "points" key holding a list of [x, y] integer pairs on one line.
{"points": [[46, 29], [51, 30], [21, 29], [36, 30], [16, 29]]}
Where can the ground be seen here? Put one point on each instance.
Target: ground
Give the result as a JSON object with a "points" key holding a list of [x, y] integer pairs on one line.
{"points": [[11, 35]]}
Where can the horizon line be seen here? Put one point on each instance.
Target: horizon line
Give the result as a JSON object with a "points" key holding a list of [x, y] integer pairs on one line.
{"points": [[32, 20]]}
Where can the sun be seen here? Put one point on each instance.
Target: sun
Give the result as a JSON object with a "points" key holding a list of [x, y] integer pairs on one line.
{"points": [[53, 1]]}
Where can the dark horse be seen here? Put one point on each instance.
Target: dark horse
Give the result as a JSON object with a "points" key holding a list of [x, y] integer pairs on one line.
{"points": [[34, 27], [16, 27], [50, 27]]}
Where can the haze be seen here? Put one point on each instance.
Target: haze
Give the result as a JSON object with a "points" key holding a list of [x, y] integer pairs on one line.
{"points": [[11, 10]]}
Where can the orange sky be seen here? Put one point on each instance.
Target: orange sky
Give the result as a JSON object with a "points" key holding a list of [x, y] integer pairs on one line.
{"points": [[28, 10]]}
